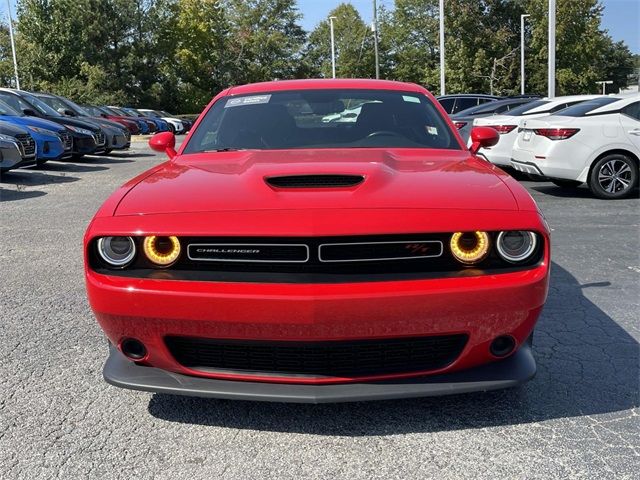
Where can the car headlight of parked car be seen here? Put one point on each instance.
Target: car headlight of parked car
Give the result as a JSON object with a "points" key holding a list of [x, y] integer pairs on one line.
{"points": [[516, 246], [117, 251], [83, 131], [43, 131]]}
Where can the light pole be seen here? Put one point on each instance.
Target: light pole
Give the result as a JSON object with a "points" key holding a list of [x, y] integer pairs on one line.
{"points": [[604, 84], [551, 79], [333, 48], [522, 17], [375, 38], [442, 89], [13, 46]]}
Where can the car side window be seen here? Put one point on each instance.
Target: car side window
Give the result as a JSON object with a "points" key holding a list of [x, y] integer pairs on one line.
{"points": [[632, 110], [447, 104], [464, 103]]}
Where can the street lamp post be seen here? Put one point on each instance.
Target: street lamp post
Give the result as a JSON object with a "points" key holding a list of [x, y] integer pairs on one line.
{"points": [[333, 48], [442, 89], [522, 82], [375, 38], [551, 79], [13, 46], [604, 84]]}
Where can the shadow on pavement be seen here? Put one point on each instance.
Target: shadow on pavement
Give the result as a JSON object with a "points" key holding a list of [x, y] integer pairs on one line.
{"points": [[24, 177], [11, 195], [579, 192], [69, 167], [587, 365]]}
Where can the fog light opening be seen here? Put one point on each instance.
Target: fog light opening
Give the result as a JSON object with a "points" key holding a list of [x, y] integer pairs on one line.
{"points": [[133, 349], [502, 346]]}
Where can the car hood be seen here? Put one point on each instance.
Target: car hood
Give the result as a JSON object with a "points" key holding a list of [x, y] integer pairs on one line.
{"points": [[399, 178], [86, 124], [7, 128], [33, 122]]}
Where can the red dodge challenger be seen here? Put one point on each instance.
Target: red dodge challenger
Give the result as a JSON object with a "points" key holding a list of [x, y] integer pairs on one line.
{"points": [[319, 241]]}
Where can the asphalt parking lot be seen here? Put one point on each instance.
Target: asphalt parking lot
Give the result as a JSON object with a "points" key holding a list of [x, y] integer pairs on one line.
{"points": [[579, 417]]}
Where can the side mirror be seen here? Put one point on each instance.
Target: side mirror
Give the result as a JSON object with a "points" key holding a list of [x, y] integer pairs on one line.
{"points": [[29, 112], [483, 137], [66, 112], [164, 142]]}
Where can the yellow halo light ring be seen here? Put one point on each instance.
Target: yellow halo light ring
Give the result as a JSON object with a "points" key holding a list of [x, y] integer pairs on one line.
{"points": [[162, 257], [468, 252]]}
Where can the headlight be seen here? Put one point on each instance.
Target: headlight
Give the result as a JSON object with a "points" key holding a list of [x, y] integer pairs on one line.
{"points": [[162, 251], [43, 131], [117, 251], [516, 246], [83, 131], [469, 247]]}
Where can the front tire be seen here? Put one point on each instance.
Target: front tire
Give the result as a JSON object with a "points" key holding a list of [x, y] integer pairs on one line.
{"points": [[565, 183], [613, 176], [77, 156]]}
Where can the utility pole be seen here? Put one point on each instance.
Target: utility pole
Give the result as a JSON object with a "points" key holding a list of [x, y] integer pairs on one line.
{"points": [[442, 89], [551, 79], [604, 84], [375, 38], [522, 82], [333, 48], [13, 46]]}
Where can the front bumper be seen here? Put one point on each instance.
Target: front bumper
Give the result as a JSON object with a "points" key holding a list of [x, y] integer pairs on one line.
{"points": [[510, 372]]}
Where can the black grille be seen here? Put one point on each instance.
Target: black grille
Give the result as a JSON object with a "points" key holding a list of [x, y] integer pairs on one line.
{"points": [[100, 138], [315, 181], [67, 140], [318, 359], [28, 144]]}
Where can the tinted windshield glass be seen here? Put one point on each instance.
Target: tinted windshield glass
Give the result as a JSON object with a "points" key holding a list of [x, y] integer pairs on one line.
{"points": [[582, 108], [5, 109], [54, 102], [94, 111], [322, 119], [39, 105], [522, 109], [75, 107], [15, 102]]}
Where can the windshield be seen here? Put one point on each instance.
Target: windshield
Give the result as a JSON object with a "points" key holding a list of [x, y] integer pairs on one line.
{"points": [[5, 109], [145, 113], [94, 111], [76, 108], [131, 112], [581, 109], [522, 109], [312, 119], [54, 103], [40, 106], [163, 113]]}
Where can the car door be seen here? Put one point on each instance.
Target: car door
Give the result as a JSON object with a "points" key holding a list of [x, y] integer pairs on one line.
{"points": [[630, 120]]}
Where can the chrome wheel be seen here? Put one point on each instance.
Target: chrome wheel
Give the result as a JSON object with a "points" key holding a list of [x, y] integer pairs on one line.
{"points": [[615, 176]]}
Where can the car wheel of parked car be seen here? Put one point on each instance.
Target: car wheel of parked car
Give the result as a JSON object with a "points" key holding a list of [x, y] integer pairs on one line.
{"points": [[77, 156], [41, 162], [566, 183], [613, 176], [108, 151]]}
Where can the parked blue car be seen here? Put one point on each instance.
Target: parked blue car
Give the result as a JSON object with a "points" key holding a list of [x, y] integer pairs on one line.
{"points": [[53, 142], [163, 125]]}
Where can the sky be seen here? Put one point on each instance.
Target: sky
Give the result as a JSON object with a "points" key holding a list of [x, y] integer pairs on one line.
{"points": [[621, 17]]}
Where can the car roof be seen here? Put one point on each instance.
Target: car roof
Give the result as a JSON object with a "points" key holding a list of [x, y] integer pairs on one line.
{"points": [[558, 100], [469, 95], [325, 83]]}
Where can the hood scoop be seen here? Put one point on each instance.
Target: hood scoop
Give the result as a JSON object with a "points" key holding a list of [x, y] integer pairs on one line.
{"points": [[314, 181]]}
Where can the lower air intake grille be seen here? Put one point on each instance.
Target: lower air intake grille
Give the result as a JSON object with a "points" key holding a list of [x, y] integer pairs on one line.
{"points": [[67, 140], [28, 144], [357, 358], [315, 181]]}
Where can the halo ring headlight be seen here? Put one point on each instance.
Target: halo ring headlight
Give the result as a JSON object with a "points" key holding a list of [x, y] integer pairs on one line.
{"points": [[117, 251], [515, 246], [162, 251], [470, 248]]}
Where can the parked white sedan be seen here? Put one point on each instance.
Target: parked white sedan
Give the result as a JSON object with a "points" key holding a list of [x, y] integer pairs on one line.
{"points": [[597, 142], [507, 125]]}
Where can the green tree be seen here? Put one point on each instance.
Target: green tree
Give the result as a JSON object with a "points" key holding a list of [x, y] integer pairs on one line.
{"points": [[266, 40], [353, 43]]}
